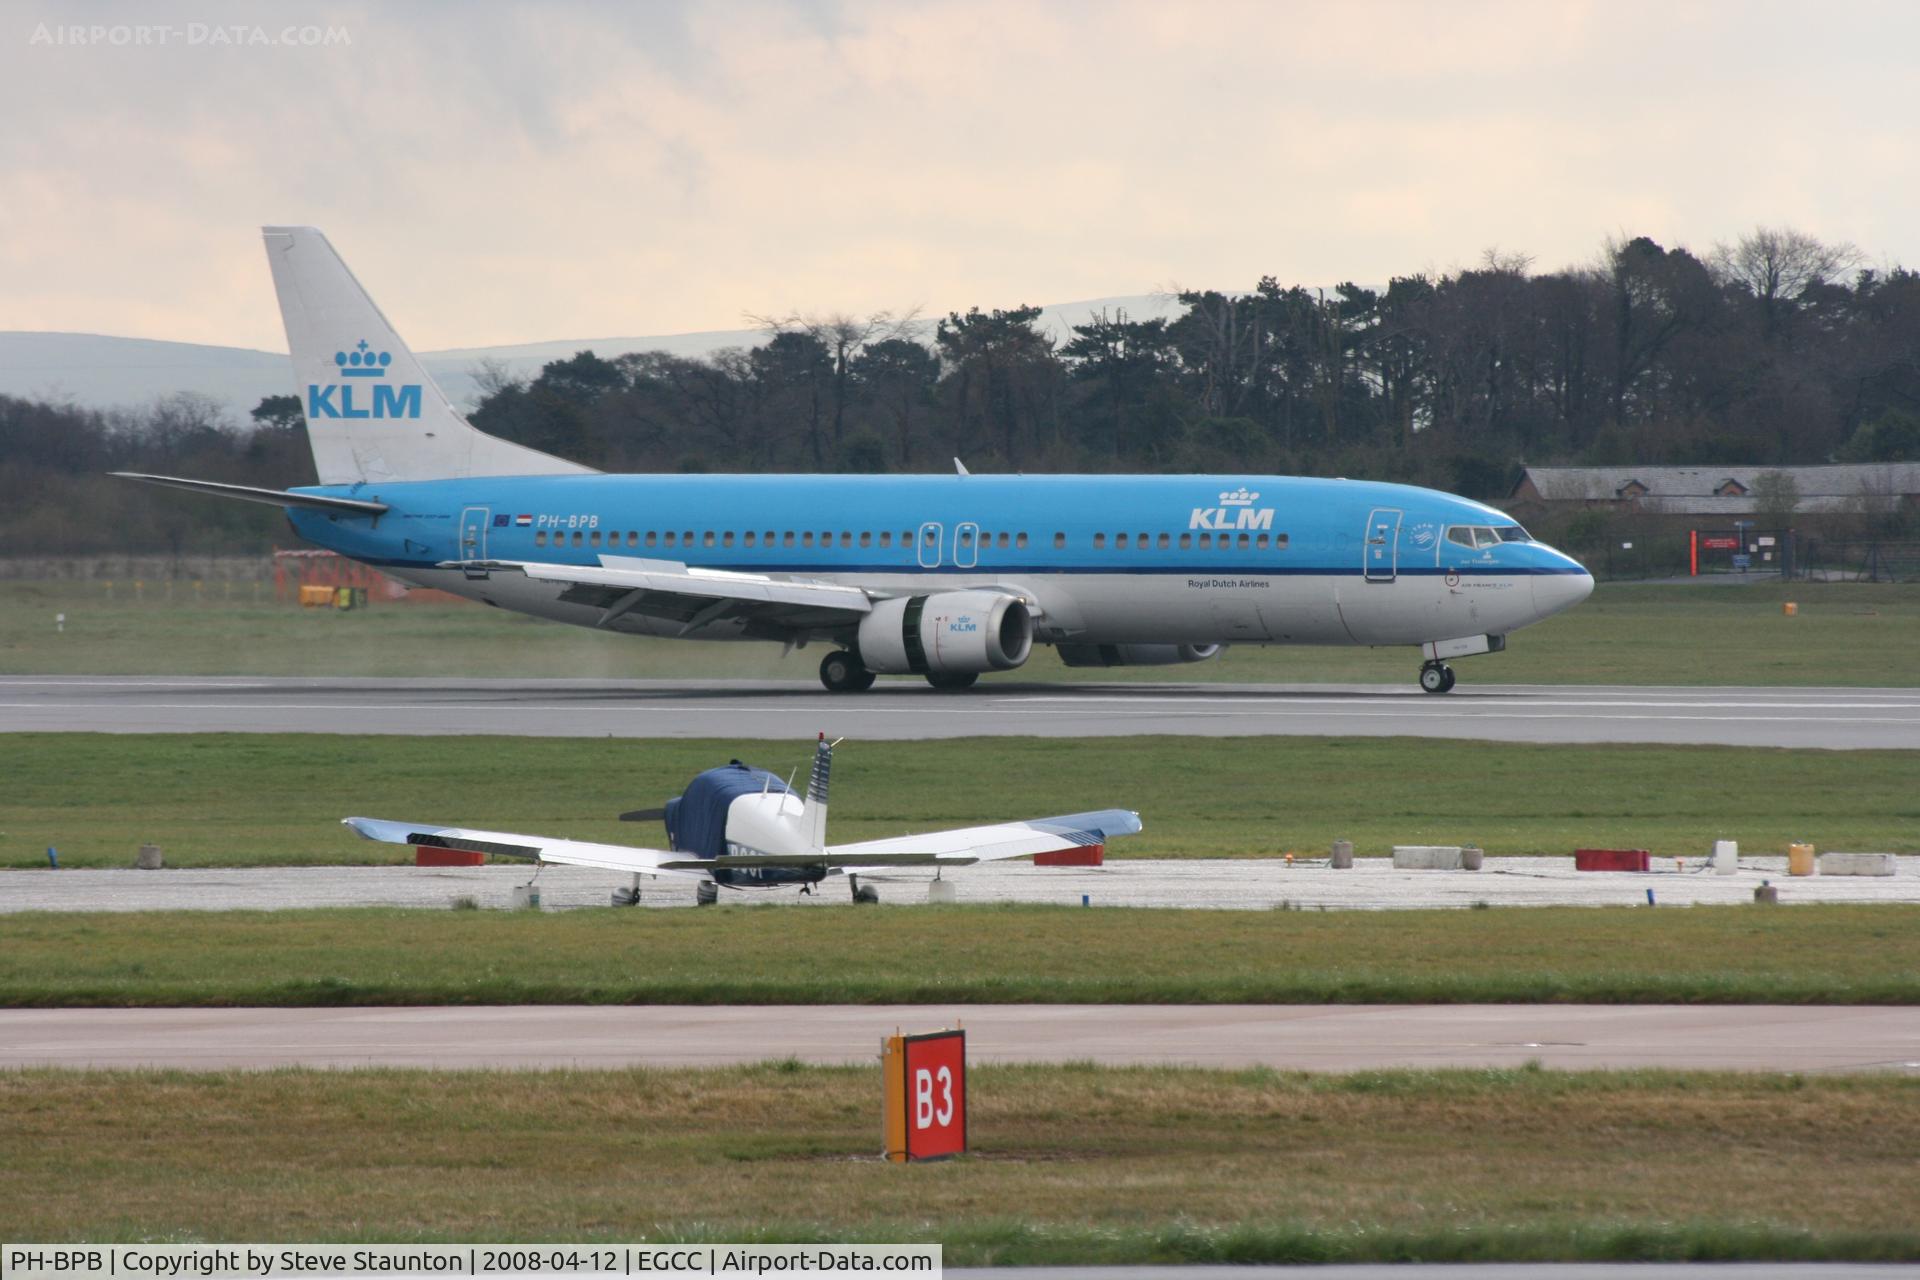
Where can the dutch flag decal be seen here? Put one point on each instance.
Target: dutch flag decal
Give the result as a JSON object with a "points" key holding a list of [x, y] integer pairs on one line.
{"points": [[523, 521]]}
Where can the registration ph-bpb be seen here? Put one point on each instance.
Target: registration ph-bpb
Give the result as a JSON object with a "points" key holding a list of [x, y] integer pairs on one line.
{"points": [[926, 1095]]}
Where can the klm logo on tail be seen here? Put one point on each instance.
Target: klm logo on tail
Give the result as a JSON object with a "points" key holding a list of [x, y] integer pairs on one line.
{"points": [[337, 400]]}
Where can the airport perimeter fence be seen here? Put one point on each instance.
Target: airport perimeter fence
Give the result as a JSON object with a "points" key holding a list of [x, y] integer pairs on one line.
{"points": [[1824, 560]]}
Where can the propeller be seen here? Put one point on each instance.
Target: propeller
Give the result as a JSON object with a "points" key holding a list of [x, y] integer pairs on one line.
{"points": [[644, 815]]}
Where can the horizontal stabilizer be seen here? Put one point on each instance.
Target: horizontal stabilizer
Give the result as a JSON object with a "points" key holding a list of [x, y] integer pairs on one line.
{"points": [[270, 497]]}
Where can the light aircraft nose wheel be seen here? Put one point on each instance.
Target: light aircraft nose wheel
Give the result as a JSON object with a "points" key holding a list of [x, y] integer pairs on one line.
{"points": [[706, 893], [842, 672], [1436, 677]]}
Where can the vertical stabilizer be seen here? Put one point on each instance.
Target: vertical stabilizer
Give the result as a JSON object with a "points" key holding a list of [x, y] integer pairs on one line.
{"points": [[372, 411], [814, 818]]}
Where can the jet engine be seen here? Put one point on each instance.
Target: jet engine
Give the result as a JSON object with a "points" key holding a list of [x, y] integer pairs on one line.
{"points": [[1135, 655], [947, 633]]}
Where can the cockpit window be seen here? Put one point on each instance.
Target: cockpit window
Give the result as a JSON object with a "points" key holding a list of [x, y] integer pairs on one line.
{"points": [[1474, 536]]}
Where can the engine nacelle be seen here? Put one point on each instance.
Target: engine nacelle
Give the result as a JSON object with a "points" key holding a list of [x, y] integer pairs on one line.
{"points": [[947, 632], [1135, 655]]}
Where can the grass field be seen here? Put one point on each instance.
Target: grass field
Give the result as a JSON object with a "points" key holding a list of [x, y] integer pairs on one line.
{"points": [[1845, 634], [982, 955], [1068, 1164], [262, 799]]}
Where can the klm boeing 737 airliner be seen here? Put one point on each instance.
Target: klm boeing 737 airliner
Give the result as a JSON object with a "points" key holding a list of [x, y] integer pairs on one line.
{"points": [[940, 576]]}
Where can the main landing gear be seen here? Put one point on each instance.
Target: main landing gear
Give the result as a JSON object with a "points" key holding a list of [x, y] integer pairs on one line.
{"points": [[1436, 677], [843, 672]]}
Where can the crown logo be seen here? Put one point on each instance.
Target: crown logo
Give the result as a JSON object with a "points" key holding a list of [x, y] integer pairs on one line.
{"points": [[1239, 498], [363, 363]]}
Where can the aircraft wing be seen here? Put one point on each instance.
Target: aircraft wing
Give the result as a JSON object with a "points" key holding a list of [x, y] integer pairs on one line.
{"points": [[572, 853], [989, 843], [695, 597]]}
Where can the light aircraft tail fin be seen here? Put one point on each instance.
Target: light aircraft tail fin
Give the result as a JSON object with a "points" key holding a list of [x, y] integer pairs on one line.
{"points": [[373, 413], [814, 817]]}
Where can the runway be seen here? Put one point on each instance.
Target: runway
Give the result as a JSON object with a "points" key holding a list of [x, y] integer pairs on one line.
{"points": [[1287, 1037], [1831, 718]]}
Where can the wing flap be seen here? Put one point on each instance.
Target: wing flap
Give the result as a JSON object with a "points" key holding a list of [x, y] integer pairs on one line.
{"points": [[621, 576]]}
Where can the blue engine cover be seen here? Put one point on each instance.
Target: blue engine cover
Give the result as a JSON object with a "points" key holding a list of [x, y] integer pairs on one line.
{"points": [[697, 818]]}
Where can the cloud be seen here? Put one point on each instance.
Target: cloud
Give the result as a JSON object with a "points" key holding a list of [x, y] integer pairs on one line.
{"points": [[504, 172]]}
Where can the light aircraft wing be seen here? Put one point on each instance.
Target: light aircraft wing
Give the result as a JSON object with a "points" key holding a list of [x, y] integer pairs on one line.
{"points": [[695, 597], [572, 853], [989, 843]]}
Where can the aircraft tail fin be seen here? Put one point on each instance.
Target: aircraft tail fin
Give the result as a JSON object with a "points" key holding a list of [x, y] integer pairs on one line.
{"points": [[373, 412], [814, 817]]}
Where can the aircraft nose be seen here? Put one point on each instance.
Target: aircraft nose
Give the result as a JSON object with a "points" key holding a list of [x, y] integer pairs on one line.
{"points": [[1553, 592]]}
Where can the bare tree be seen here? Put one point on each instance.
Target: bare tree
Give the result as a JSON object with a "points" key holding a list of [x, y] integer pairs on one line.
{"points": [[1778, 264], [844, 337], [491, 375]]}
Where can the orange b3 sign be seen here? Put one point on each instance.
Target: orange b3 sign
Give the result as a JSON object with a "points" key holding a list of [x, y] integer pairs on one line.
{"points": [[926, 1095]]}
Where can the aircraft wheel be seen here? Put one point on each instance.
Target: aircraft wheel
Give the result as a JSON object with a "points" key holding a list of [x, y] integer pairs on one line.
{"points": [[1450, 679], [952, 681], [842, 672], [1436, 677], [706, 894], [861, 892]]}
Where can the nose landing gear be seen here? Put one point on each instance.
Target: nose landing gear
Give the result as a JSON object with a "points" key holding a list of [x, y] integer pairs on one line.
{"points": [[1436, 677]]}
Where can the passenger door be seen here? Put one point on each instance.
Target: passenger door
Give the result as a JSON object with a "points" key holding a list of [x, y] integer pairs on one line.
{"points": [[966, 551], [473, 538], [927, 545], [1381, 551]]}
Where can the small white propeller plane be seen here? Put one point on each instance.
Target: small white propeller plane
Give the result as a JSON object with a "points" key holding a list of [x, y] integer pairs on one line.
{"points": [[743, 828]]}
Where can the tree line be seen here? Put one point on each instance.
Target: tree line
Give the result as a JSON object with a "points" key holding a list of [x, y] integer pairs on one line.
{"points": [[1778, 348]]}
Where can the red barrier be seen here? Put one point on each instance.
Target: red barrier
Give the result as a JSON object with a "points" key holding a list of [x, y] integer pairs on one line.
{"points": [[1611, 860], [1086, 855], [424, 857]]}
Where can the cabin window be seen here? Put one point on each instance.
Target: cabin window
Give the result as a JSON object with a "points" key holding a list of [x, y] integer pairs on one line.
{"points": [[1186, 540], [593, 539], [1244, 540], [886, 537], [767, 537], [576, 537], [806, 537], [686, 539], [1279, 542], [1165, 542], [1206, 540], [1059, 541], [966, 537], [866, 537], [726, 539], [707, 540], [906, 538], [1020, 541], [931, 537], [750, 538], [1142, 542], [540, 538], [786, 539], [1003, 541], [1119, 541], [846, 537], [652, 537], [671, 537]]}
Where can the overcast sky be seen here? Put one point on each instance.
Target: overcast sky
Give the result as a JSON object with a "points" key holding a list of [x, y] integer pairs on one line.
{"points": [[502, 173]]}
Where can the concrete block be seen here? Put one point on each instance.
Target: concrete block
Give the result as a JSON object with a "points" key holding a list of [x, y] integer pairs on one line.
{"points": [[1426, 857], [1836, 863], [1726, 857], [149, 859], [1471, 856], [942, 891], [1342, 855], [526, 896]]}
